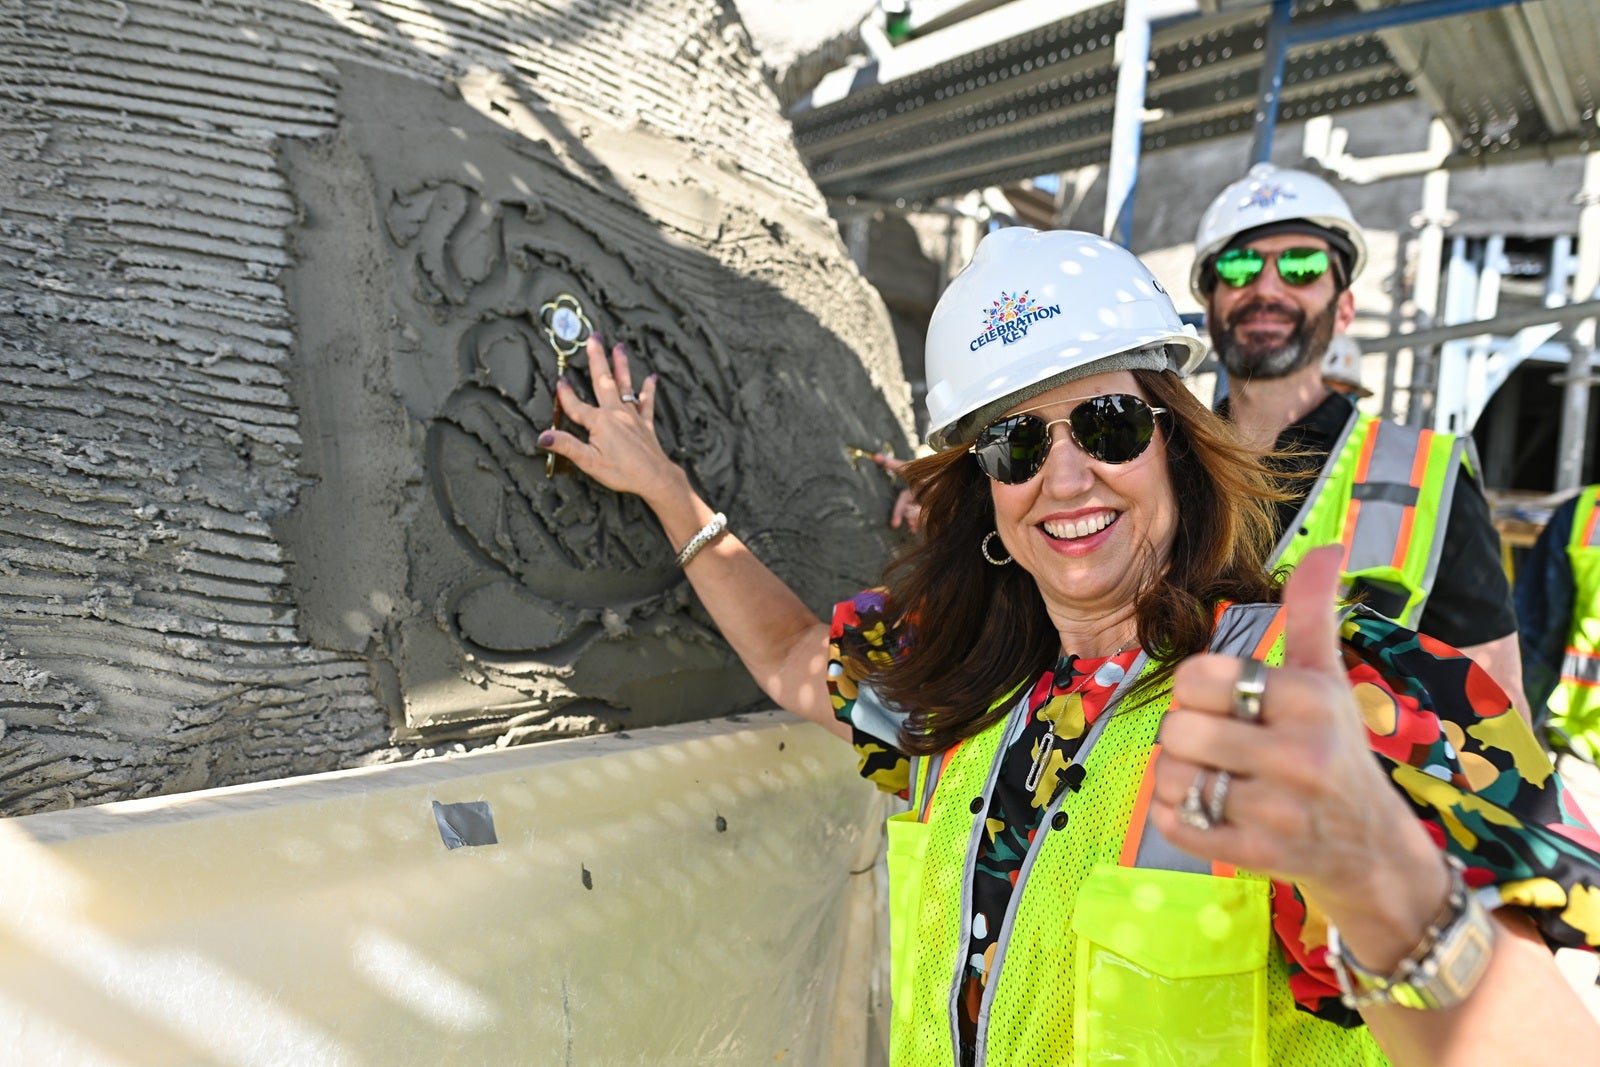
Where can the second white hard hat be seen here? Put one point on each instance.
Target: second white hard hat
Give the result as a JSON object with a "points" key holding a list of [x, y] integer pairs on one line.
{"points": [[1035, 309], [1269, 195], [1342, 364]]}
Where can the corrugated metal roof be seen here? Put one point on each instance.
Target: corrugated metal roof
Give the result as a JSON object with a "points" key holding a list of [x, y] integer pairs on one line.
{"points": [[1518, 78], [1028, 87]]}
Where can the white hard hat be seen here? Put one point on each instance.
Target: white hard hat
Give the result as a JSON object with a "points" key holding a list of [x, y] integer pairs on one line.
{"points": [[1270, 195], [1034, 309], [1343, 363]]}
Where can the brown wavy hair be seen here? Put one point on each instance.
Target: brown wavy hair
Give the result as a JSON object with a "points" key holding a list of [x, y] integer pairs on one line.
{"points": [[979, 630]]}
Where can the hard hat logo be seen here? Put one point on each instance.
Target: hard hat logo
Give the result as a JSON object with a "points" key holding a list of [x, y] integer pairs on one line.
{"points": [[1267, 195], [1007, 319]]}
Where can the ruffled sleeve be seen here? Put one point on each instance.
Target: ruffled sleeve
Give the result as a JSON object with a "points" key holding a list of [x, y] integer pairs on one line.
{"points": [[1480, 783], [867, 636]]}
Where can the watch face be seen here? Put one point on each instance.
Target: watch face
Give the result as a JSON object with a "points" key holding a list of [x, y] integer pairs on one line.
{"points": [[1452, 966], [1465, 957]]}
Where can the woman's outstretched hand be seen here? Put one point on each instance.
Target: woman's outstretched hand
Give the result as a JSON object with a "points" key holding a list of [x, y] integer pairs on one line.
{"points": [[621, 451], [780, 640]]}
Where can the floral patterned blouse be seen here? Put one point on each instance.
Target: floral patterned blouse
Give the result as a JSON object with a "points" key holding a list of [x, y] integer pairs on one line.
{"points": [[1472, 769]]}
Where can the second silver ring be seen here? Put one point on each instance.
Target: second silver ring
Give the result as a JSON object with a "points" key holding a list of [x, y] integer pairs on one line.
{"points": [[1193, 811], [1218, 798]]}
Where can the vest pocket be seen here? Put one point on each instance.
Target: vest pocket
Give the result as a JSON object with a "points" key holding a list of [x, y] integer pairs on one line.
{"points": [[1170, 969], [908, 844]]}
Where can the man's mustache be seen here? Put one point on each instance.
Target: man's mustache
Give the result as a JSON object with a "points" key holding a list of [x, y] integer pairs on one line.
{"points": [[1270, 307]]}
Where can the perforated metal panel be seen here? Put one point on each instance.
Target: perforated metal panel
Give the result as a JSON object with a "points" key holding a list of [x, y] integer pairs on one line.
{"points": [[987, 100]]}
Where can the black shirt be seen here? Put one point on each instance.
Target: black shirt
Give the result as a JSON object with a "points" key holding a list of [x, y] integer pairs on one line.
{"points": [[1544, 596], [1471, 599]]}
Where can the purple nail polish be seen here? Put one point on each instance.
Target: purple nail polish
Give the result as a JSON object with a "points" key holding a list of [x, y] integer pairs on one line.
{"points": [[547, 439]]}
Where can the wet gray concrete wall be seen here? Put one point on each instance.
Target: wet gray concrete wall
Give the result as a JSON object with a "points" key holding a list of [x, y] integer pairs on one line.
{"points": [[280, 289]]}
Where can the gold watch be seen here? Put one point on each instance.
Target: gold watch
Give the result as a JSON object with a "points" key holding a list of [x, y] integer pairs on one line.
{"points": [[1440, 972]]}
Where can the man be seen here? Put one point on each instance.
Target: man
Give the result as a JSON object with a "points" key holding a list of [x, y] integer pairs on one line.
{"points": [[1275, 256], [1558, 606]]}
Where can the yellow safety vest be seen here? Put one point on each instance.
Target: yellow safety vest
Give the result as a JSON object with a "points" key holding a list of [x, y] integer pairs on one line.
{"points": [[1116, 946], [1384, 496], [1575, 703]]}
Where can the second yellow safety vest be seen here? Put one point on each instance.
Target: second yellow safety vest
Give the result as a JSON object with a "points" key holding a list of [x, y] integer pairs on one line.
{"points": [[1575, 702], [1385, 496], [1116, 946]]}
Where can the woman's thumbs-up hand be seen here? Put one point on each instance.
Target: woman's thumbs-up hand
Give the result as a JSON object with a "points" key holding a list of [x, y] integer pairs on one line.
{"points": [[1304, 797]]}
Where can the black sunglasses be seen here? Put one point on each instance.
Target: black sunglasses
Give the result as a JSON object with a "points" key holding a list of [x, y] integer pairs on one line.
{"points": [[1238, 267], [1113, 428]]}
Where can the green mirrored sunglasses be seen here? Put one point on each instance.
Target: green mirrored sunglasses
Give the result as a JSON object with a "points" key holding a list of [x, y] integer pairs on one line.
{"points": [[1238, 267]]}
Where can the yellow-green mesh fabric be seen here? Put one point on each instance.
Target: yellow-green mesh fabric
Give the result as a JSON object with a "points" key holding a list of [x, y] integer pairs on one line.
{"points": [[1574, 707], [1322, 519], [1030, 1016], [1030, 1020], [925, 1031], [1297, 1038], [1323, 522]]}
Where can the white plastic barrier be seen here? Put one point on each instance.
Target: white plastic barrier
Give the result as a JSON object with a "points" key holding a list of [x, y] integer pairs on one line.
{"points": [[695, 894]]}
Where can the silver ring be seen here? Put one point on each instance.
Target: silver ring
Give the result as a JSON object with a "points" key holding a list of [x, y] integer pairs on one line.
{"points": [[1248, 689], [629, 398], [1192, 812], [1219, 797]]}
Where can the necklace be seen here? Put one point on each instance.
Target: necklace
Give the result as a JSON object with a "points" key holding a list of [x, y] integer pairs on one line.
{"points": [[1047, 743]]}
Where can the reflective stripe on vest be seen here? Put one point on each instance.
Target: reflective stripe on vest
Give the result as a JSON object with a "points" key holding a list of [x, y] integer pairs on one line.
{"points": [[1587, 532], [1575, 703], [1028, 1018], [1580, 667], [1237, 633], [1384, 496]]}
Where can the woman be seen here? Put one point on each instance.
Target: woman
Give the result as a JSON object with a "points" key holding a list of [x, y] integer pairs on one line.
{"points": [[1066, 888]]}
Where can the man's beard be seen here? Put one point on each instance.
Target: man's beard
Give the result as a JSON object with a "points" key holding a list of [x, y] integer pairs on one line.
{"points": [[1305, 346]]}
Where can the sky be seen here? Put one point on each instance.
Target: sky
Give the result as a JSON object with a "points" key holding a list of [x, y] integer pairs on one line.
{"points": [[782, 28]]}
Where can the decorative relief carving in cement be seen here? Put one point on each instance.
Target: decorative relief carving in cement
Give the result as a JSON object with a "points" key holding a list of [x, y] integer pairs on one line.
{"points": [[514, 595]]}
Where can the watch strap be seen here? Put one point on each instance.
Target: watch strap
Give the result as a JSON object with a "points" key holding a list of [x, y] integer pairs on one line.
{"points": [[1440, 972]]}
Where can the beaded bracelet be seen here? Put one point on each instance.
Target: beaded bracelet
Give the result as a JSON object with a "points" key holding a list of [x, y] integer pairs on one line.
{"points": [[707, 534]]}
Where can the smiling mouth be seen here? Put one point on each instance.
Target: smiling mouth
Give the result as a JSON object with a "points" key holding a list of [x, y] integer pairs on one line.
{"points": [[1062, 530], [1268, 314]]}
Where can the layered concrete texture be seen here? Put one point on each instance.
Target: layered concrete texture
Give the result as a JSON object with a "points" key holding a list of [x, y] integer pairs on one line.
{"points": [[692, 894], [285, 286]]}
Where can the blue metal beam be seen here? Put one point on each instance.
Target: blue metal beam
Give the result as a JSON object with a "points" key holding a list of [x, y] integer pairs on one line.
{"points": [[1390, 17], [1282, 34], [1270, 88]]}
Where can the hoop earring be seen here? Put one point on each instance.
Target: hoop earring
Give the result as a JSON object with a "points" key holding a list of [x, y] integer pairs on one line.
{"points": [[984, 548]]}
